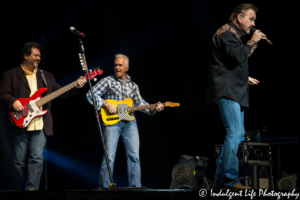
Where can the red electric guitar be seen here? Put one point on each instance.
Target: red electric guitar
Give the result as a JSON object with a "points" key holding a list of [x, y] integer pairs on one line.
{"points": [[32, 105]]}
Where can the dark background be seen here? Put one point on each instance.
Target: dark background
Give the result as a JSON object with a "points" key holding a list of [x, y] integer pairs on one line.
{"points": [[169, 46]]}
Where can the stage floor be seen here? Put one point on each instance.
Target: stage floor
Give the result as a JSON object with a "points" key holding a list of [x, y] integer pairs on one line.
{"points": [[130, 193]]}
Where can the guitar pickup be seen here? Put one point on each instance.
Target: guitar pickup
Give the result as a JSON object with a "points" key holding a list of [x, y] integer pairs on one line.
{"points": [[16, 115], [23, 113], [113, 118], [30, 108]]}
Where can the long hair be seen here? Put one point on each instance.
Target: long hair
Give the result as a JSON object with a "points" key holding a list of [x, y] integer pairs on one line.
{"points": [[242, 8]]}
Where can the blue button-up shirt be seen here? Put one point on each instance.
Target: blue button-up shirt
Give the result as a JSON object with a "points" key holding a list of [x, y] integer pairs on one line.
{"points": [[111, 87]]}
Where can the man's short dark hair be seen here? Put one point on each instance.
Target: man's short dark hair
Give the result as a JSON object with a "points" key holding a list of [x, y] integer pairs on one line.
{"points": [[26, 49], [242, 9]]}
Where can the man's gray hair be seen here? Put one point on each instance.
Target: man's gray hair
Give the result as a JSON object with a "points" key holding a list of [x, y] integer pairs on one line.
{"points": [[125, 57]]}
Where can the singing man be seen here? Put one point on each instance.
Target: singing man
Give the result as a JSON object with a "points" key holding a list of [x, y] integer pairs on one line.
{"points": [[227, 86]]}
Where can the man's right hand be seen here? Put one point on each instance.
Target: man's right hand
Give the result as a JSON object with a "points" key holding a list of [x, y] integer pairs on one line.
{"points": [[258, 35], [111, 108], [17, 106]]}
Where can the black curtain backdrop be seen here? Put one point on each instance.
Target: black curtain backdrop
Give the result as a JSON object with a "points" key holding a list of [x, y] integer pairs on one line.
{"points": [[169, 46]]}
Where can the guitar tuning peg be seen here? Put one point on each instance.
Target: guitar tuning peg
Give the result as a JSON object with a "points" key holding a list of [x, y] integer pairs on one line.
{"points": [[90, 70], [95, 79]]}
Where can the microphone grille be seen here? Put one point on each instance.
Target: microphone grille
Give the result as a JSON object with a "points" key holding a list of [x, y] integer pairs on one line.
{"points": [[72, 28], [253, 29]]}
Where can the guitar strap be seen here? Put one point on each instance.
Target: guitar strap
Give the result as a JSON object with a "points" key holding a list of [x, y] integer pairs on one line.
{"points": [[134, 98], [43, 76]]}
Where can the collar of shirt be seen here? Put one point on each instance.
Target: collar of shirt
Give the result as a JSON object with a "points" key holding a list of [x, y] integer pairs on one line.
{"points": [[128, 78], [238, 31], [29, 72]]}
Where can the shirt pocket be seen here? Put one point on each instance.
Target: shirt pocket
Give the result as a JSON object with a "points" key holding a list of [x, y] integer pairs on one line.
{"points": [[116, 90], [132, 95]]}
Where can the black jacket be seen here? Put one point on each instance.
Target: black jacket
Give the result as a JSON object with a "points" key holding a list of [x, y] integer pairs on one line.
{"points": [[228, 73], [14, 85]]}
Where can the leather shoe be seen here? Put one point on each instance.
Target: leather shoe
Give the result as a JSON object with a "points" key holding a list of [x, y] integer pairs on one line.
{"points": [[240, 186]]}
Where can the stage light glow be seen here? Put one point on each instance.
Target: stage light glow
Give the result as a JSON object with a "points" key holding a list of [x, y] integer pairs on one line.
{"points": [[83, 171]]}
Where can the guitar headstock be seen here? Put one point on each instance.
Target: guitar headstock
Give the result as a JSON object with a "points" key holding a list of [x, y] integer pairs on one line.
{"points": [[81, 62], [92, 74], [172, 104]]}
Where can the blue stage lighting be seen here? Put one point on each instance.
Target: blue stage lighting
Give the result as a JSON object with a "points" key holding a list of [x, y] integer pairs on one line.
{"points": [[83, 171]]}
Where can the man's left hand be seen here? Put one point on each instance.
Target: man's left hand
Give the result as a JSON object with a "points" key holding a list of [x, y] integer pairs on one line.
{"points": [[81, 82], [252, 81], [159, 107]]}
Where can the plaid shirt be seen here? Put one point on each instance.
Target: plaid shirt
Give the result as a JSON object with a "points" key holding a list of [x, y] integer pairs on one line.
{"points": [[111, 87]]}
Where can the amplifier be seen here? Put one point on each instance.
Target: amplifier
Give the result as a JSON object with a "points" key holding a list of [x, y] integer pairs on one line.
{"points": [[255, 175], [250, 152]]}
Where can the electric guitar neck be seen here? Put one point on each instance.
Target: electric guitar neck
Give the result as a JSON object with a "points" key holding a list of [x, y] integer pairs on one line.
{"points": [[32, 104], [124, 108], [150, 106], [57, 93]]}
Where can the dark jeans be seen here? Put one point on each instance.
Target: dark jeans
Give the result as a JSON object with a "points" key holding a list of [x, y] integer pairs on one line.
{"points": [[28, 157]]}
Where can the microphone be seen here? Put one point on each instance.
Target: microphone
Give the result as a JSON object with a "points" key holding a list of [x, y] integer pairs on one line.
{"points": [[77, 32], [268, 41]]}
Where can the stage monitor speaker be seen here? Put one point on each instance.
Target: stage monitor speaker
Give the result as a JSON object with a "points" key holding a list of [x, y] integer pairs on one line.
{"points": [[288, 181], [190, 173]]}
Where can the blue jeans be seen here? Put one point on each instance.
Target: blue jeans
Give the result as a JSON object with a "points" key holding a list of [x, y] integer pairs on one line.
{"points": [[28, 157], [232, 114], [130, 137]]}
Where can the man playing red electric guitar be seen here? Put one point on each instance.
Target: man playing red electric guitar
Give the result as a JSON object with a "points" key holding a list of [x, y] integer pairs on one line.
{"points": [[29, 142]]}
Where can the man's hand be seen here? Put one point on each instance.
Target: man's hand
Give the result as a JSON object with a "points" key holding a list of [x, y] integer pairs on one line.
{"points": [[258, 35], [81, 82], [18, 106], [252, 81], [110, 107], [159, 107]]}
